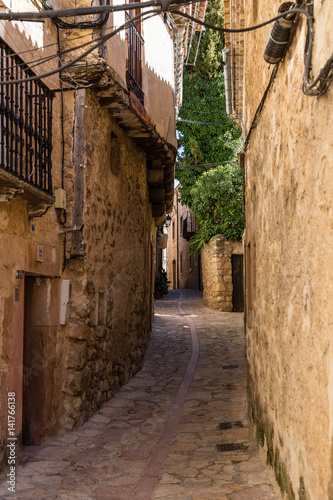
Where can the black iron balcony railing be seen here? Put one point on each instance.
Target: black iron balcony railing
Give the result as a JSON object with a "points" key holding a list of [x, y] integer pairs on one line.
{"points": [[25, 123], [190, 226], [134, 60]]}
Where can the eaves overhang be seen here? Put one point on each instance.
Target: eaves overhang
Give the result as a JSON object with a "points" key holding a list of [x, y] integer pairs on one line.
{"points": [[132, 117]]}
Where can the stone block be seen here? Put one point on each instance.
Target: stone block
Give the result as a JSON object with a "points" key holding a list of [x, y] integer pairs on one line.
{"points": [[100, 331], [77, 354], [78, 331], [91, 353], [72, 405], [73, 382], [77, 381], [67, 423]]}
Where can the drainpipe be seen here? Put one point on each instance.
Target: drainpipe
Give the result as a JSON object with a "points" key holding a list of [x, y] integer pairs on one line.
{"points": [[177, 245], [227, 83], [231, 61], [176, 58]]}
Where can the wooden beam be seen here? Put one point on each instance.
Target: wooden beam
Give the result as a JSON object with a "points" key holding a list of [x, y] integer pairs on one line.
{"points": [[77, 249], [155, 176]]}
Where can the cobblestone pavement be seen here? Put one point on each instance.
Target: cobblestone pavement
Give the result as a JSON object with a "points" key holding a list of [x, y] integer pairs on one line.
{"points": [[156, 439]]}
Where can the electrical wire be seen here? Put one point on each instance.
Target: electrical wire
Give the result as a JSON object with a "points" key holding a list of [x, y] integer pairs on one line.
{"points": [[241, 30], [320, 84], [102, 40], [79, 25], [325, 76], [198, 111], [260, 107], [54, 56], [42, 60], [86, 11], [99, 40], [204, 165], [69, 39], [204, 123], [316, 87]]}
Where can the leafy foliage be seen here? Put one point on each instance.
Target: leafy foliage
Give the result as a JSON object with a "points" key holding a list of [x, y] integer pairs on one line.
{"points": [[217, 199], [204, 101]]}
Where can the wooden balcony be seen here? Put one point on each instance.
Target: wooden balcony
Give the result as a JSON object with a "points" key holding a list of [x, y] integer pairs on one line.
{"points": [[135, 44]]}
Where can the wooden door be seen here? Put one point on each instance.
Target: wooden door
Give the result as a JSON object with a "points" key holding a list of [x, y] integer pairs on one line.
{"points": [[237, 283]]}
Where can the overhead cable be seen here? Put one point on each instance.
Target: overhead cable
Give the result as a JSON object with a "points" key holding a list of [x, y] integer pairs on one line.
{"points": [[205, 165], [78, 25], [240, 30], [204, 123], [45, 59], [87, 11], [315, 87], [260, 107], [102, 40]]}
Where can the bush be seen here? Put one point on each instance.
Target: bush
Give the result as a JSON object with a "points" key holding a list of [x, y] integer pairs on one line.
{"points": [[217, 201]]}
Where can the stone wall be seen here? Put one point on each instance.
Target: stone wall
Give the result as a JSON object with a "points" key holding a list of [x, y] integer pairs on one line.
{"points": [[288, 192], [217, 272], [20, 236], [83, 363], [102, 242], [111, 306]]}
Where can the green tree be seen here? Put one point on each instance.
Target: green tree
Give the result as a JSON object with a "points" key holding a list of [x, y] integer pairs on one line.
{"points": [[217, 201], [204, 101]]}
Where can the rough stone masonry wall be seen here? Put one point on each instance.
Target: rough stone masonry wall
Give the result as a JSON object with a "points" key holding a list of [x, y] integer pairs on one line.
{"points": [[112, 284], [217, 272], [19, 237], [289, 192]]}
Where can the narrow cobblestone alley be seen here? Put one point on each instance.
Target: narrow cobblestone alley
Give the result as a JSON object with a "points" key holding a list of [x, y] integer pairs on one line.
{"points": [[155, 439]]}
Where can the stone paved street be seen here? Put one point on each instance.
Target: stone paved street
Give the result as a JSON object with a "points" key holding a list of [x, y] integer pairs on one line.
{"points": [[155, 439]]}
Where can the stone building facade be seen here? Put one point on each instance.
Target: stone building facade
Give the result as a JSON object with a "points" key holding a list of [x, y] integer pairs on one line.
{"points": [[222, 274], [78, 239], [288, 204], [183, 269]]}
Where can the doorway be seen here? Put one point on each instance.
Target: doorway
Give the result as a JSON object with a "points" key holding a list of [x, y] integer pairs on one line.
{"points": [[174, 275], [39, 359], [237, 283]]}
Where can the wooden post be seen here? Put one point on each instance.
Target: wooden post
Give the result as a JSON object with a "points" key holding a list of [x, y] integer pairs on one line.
{"points": [[78, 248]]}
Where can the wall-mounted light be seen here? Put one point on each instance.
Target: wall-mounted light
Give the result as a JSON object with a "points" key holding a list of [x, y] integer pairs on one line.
{"points": [[279, 35], [168, 221]]}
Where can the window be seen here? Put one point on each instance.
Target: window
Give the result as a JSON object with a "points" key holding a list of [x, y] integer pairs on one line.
{"points": [[25, 123], [181, 263], [181, 227], [190, 261], [135, 44], [173, 230]]}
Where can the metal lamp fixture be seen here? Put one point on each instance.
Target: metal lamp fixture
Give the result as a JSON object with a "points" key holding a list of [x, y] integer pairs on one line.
{"points": [[168, 221], [279, 35]]}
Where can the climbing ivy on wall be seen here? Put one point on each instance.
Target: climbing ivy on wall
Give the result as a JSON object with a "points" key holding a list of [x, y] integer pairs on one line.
{"points": [[204, 101]]}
